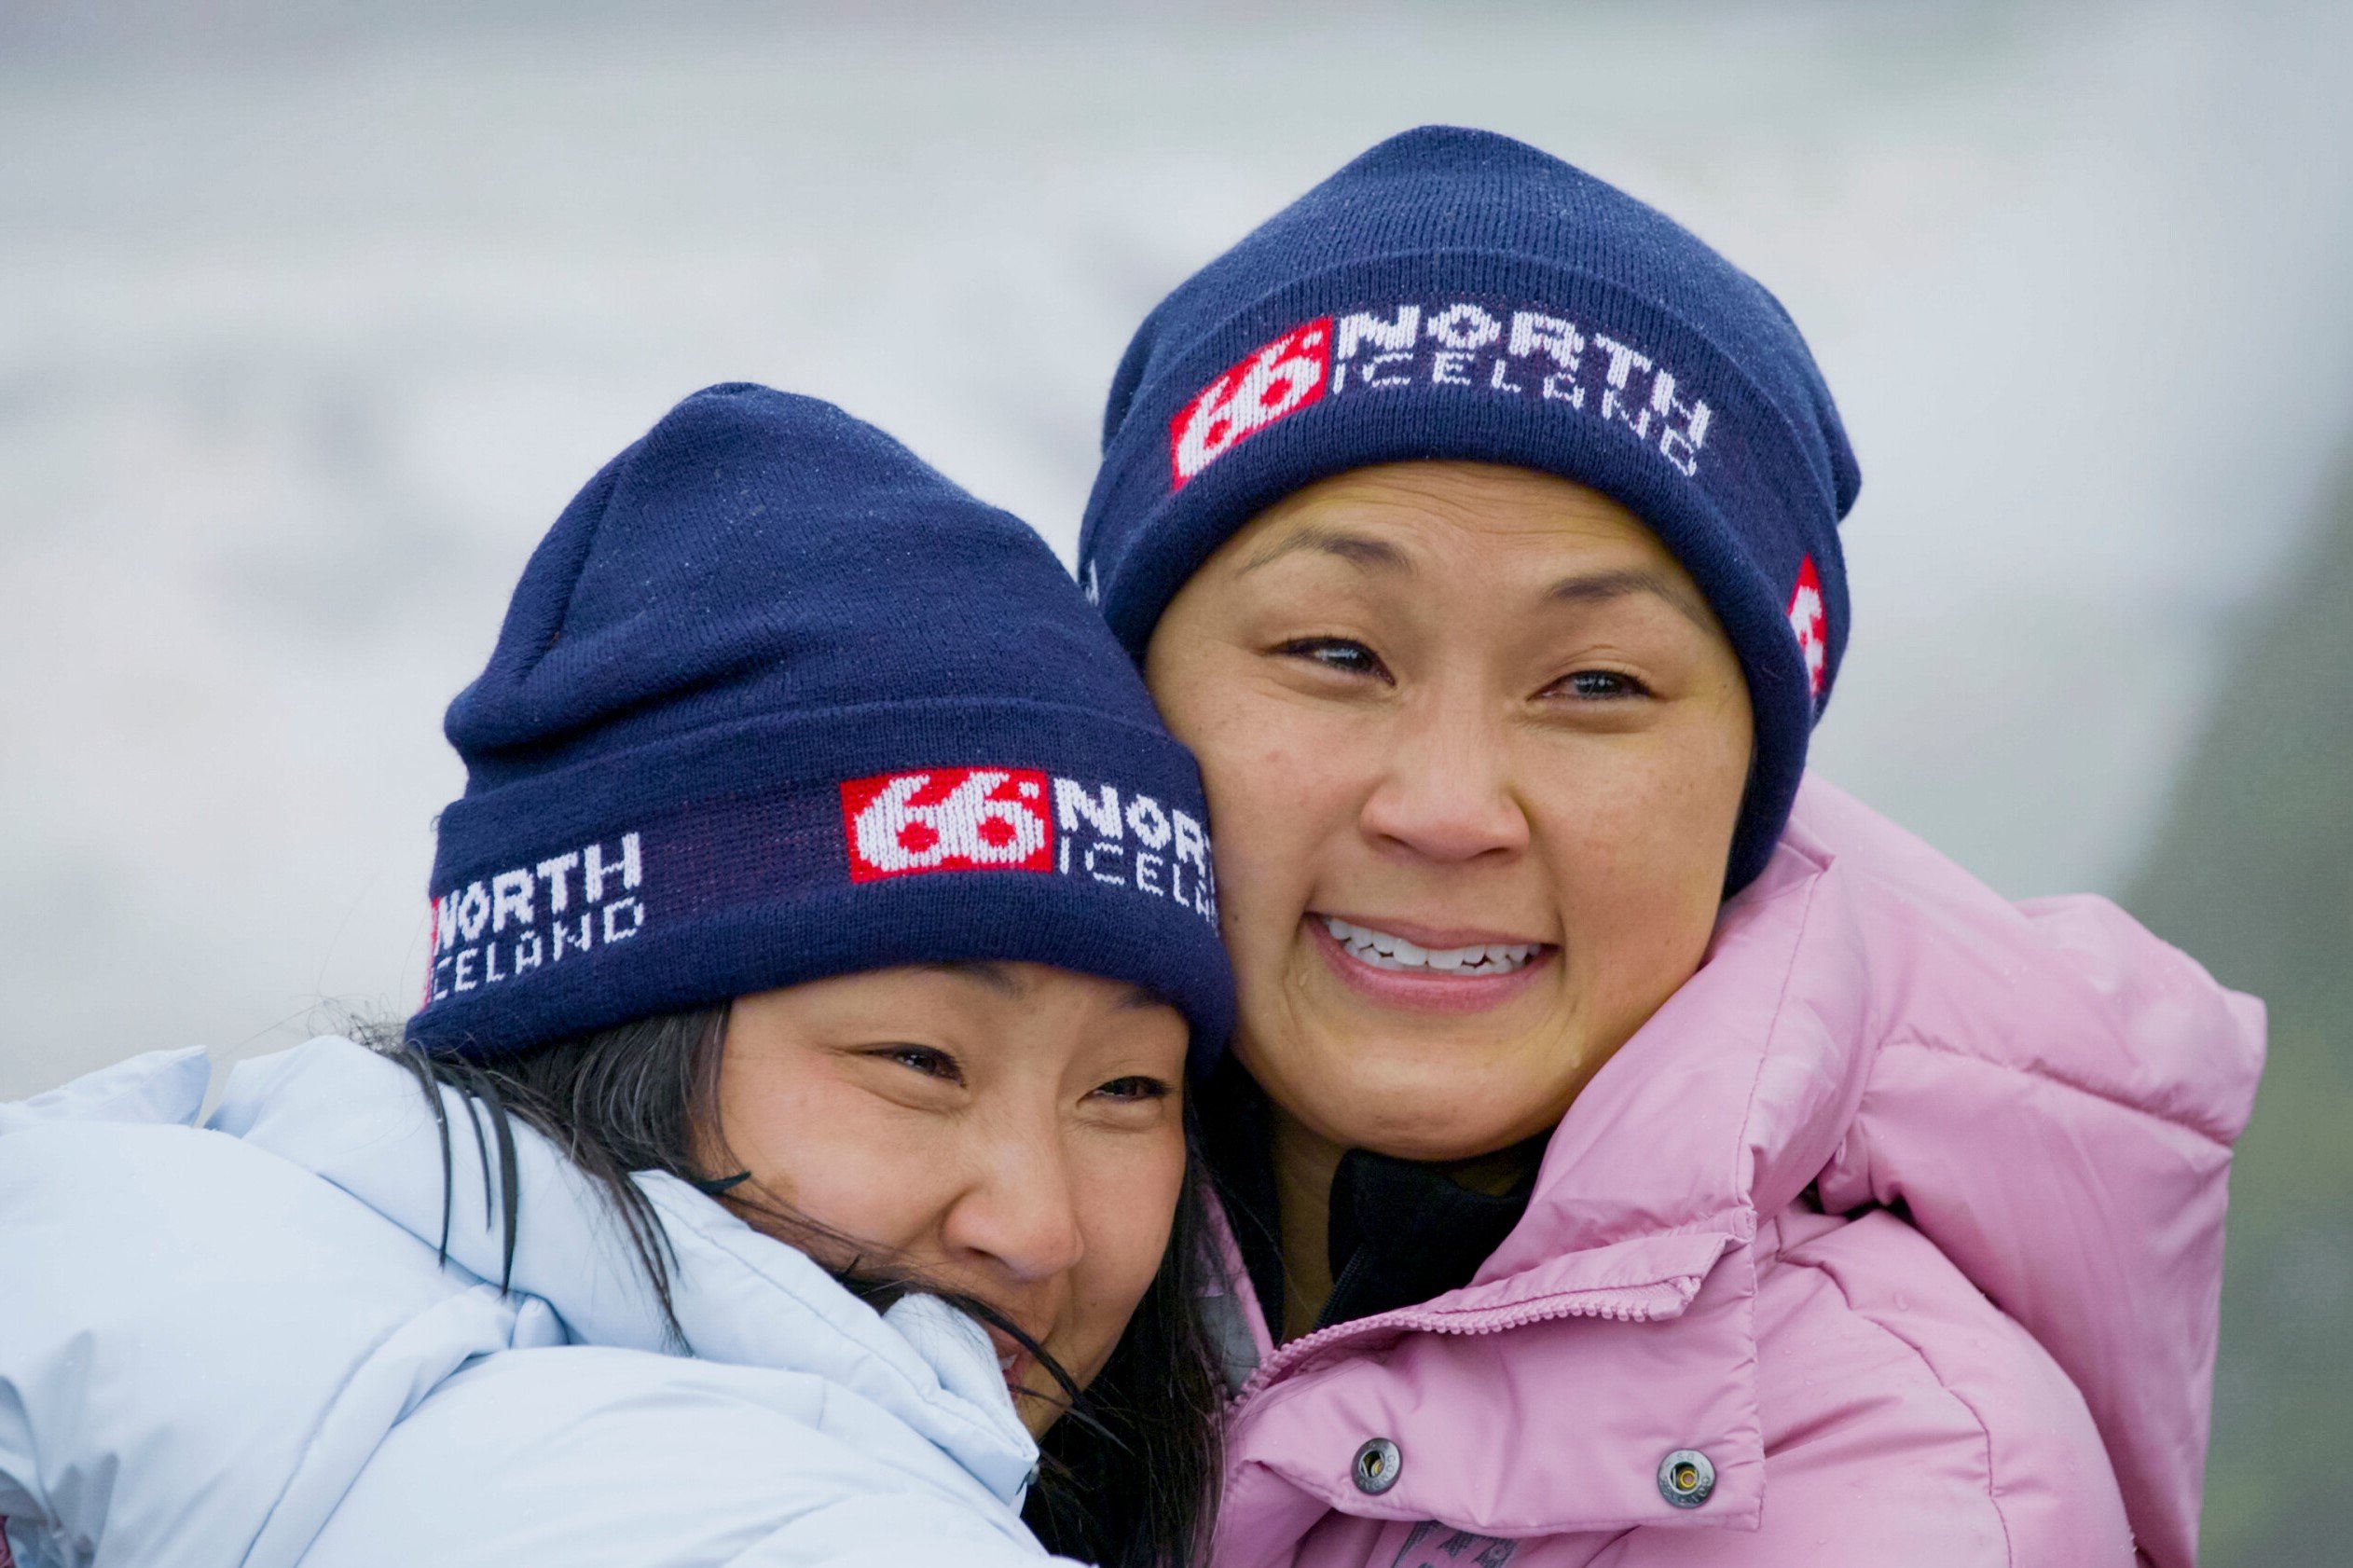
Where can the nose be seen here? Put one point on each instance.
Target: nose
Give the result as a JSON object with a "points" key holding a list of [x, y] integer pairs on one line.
{"points": [[1445, 789], [1020, 1212]]}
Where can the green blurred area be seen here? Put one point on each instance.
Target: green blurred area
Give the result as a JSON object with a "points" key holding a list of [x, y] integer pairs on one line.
{"points": [[2252, 873]]}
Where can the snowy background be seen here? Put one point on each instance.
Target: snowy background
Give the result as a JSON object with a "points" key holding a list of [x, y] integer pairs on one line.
{"points": [[312, 319], [309, 324], [312, 315]]}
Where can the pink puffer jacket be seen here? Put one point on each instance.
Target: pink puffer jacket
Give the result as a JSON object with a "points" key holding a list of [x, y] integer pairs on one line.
{"points": [[1894, 1238]]}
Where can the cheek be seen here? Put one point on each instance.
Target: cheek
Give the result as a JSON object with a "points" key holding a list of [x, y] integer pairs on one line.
{"points": [[1639, 838], [1662, 819], [1268, 787], [1281, 786], [835, 1152], [1130, 1205]]}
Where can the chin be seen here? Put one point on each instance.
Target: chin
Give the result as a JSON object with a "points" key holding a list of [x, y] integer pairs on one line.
{"points": [[1423, 1110], [1457, 1138]]}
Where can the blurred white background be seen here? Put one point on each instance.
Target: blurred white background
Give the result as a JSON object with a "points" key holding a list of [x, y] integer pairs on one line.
{"points": [[312, 318], [314, 313]]}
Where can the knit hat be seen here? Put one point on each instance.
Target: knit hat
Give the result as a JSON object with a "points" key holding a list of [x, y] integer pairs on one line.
{"points": [[776, 701], [1457, 295]]}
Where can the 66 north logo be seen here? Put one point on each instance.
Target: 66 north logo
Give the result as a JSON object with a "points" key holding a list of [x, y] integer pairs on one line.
{"points": [[1278, 380], [1005, 819], [950, 819], [1481, 349]]}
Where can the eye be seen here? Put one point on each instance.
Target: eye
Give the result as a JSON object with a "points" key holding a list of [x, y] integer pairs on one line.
{"points": [[1135, 1087], [1601, 685], [928, 1060], [1344, 656]]}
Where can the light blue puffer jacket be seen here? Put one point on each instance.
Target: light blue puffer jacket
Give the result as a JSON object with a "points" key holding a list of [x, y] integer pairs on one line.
{"points": [[233, 1344]]}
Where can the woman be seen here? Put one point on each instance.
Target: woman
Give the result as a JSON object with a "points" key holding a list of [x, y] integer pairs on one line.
{"points": [[821, 937], [1636, 1154]]}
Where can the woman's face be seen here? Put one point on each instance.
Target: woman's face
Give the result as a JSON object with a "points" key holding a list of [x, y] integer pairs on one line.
{"points": [[1474, 746], [1010, 1131]]}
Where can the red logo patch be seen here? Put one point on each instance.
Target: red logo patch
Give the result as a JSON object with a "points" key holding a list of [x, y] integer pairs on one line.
{"points": [[1811, 624], [1279, 379], [947, 818]]}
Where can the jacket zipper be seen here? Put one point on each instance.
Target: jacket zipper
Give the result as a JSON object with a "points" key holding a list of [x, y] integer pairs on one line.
{"points": [[1289, 1356]]}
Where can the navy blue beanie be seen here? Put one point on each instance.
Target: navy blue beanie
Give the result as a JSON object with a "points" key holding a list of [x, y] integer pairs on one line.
{"points": [[776, 701], [1457, 295]]}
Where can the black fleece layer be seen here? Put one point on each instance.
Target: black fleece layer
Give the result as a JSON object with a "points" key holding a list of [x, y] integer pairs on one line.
{"points": [[1402, 1233]]}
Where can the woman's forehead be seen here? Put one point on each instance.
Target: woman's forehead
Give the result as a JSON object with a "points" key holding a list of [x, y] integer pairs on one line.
{"points": [[1399, 521], [1477, 501], [993, 987]]}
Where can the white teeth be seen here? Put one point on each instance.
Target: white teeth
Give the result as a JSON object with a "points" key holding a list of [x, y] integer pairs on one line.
{"points": [[1383, 951]]}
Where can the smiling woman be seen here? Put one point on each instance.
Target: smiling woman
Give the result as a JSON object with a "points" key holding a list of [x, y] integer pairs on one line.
{"points": [[1012, 1133], [1626, 1141], [1514, 742], [801, 1171]]}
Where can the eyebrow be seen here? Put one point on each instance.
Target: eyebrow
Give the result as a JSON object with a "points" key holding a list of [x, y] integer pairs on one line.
{"points": [[1599, 587], [1357, 549], [1145, 997], [1001, 977], [996, 976]]}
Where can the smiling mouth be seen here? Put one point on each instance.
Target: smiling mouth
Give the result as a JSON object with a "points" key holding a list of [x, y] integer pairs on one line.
{"points": [[1012, 1359], [1386, 949]]}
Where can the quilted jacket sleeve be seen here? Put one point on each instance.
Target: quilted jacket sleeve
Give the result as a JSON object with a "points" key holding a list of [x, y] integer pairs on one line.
{"points": [[2070, 1151]]}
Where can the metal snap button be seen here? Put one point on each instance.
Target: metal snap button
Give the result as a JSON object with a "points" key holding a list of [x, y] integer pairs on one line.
{"points": [[1377, 1466], [1685, 1477]]}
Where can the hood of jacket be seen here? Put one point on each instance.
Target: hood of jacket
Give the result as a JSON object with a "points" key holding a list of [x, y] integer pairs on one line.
{"points": [[2044, 1090]]}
